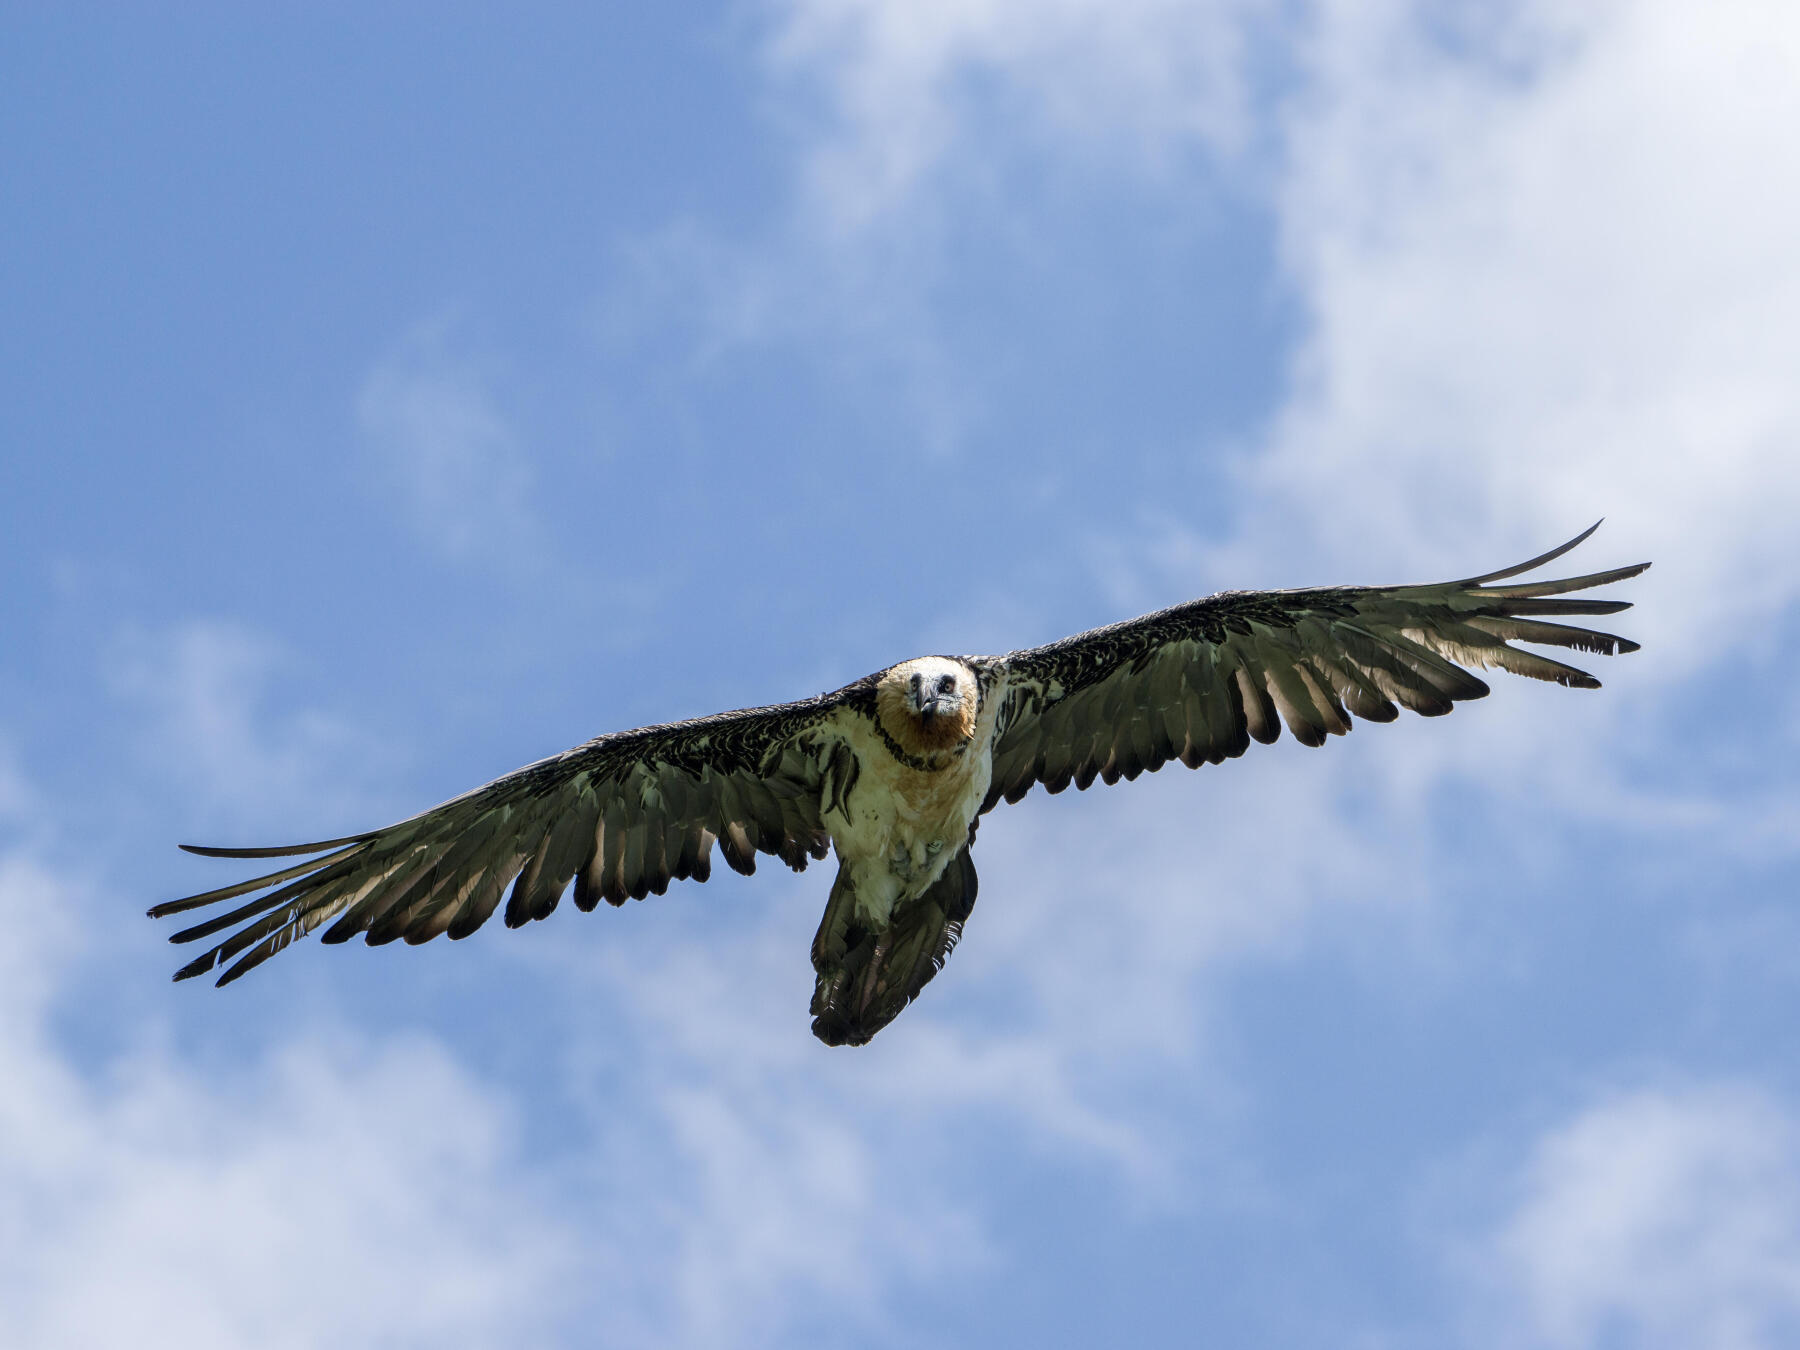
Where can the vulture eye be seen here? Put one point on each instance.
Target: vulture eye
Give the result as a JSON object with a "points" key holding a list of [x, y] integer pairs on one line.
{"points": [[946, 684]]}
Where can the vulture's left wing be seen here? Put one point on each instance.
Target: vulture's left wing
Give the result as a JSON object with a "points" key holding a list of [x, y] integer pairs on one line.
{"points": [[621, 817], [1199, 681]]}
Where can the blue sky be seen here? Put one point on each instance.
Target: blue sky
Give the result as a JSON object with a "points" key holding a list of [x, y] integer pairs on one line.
{"points": [[390, 399]]}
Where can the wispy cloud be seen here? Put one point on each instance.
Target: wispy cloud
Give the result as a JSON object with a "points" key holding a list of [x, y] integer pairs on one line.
{"points": [[1543, 256], [1549, 277], [446, 450], [210, 722], [345, 1189], [912, 89], [1545, 274], [914, 125], [1662, 1217]]}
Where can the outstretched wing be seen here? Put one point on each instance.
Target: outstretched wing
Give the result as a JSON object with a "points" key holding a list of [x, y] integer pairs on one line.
{"points": [[1199, 681], [622, 816]]}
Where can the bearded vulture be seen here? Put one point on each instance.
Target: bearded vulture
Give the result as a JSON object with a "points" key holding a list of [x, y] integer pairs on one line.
{"points": [[895, 770]]}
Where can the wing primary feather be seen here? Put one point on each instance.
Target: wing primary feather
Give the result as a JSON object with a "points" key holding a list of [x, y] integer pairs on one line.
{"points": [[659, 826], [735, 845], [1197, 747], [703, 853], [614, 888], [390, 922], [278, 851], [1532, 605], [384, 891], [1236, 720], [481, 903], [519, 904], [587, 886], [636, 839], [1449, 681], [1294, 701], [275, 942], [435, 913], [429, 923], [425, 911], [686, 856], [558, 857], [1536, 562], [1532, 588], [1551, 634], [1259, 709], [452, 875], [1323, 694], [263, 903], [1360, 696], [299, 911], [1057, 735], [1213, 711], [169, 907]]}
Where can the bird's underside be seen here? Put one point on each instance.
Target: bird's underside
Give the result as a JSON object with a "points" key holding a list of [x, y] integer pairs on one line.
{"points": [[893, 771]]}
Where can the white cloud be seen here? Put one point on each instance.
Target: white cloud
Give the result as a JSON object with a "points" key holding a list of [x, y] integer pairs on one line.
{"points": [[905, 79], [344, 1191], [1546, 270], [358, 1187], [1545, 286], [765, 1189], [911, 119], [1074, 1016], [778, 1180], [1522, 315], [1543, 250], [1556, 267], [447, 451], [1658, 1218], [1114, 900]]}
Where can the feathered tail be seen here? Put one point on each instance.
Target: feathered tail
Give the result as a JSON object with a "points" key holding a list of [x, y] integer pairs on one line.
{"points": [[866, 977]]}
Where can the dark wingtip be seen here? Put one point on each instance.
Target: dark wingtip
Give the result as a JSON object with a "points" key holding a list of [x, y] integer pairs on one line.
{"points": [[198, 966], [243, 967], [169, 907]]}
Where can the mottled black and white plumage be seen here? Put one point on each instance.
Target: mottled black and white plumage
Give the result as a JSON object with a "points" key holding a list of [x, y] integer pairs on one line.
{"points": [[895, 770]]}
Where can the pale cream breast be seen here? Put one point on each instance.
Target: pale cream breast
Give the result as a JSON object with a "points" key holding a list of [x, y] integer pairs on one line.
{"points": [[907, 821]]}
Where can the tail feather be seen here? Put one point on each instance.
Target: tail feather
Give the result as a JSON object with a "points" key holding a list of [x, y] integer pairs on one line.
{"points": [[866, 977]]}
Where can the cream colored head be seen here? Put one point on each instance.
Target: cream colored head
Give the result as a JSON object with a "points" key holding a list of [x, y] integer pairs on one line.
{"points": [[927, 704]]}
